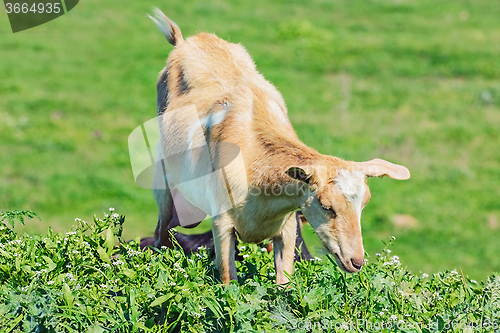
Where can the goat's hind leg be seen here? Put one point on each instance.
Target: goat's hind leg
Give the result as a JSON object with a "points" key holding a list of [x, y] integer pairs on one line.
{"points": [[165, 214]]}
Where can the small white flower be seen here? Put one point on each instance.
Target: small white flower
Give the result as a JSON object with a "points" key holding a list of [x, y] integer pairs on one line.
{"points": [[425, 275], [317, 259], [393, 238], [50, 282], [201, 247], [388, 251], [377, 254], [246, 256], [473, 281], [243, 247], [394, 317], [263, 249], [75, 251], [381, 313], [111, 209]]}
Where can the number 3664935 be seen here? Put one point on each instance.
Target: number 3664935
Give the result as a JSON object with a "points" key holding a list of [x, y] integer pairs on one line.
{"points": [[39, 8]]}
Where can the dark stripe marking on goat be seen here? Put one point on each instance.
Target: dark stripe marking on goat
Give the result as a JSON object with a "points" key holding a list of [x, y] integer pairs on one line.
{"points": [[184, 86], [162, 96]]}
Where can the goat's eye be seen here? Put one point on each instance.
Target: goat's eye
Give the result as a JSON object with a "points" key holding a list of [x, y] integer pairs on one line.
{"points": [[331, 211]]}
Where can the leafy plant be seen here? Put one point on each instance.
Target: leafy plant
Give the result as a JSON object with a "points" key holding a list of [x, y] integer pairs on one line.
{"points": [[86, 281], [9, 218]]}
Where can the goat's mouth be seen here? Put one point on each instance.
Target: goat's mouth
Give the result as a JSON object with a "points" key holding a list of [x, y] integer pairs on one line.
{"points": [[344, 267], [335, 250], [339, 262]]}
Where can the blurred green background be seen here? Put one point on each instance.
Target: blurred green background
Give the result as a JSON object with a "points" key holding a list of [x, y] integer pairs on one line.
{"points": [[413, 82]]}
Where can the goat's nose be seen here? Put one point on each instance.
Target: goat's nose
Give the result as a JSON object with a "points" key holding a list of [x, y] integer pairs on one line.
{"points": [[357, 263]]}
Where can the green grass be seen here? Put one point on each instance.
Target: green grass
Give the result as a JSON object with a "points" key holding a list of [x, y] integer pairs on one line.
{"points": [[411, 82], [79, 281]]}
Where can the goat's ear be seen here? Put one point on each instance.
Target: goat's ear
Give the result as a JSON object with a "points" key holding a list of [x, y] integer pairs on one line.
{"points": [[378, 167], [300, 173]]}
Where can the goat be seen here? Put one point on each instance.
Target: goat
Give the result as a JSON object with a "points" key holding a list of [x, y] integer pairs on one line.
{"points": [[276, 175]]}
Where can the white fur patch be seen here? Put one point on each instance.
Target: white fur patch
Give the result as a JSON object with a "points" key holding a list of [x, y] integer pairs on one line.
{"points": [[277, 111], [208, 122], [352, 185]]}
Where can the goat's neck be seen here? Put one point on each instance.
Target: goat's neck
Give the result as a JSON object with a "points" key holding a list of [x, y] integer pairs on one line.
{"points": [[279, 153]]}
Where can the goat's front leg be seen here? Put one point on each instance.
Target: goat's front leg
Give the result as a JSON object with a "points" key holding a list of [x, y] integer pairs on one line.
{"points": [[284, 247], [224, 242]]}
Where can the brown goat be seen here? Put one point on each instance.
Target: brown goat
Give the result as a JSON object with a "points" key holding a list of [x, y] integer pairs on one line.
{"points": [[255, 188]]}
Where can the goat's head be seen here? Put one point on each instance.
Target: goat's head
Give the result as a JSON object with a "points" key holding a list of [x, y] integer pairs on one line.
{"points": [[335, 194]]}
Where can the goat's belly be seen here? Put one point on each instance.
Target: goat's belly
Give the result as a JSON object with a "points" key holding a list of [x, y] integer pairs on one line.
{"points": [[252, 233]]}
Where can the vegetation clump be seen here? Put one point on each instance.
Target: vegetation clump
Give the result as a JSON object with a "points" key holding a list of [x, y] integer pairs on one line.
{"points": [[81, 281]]}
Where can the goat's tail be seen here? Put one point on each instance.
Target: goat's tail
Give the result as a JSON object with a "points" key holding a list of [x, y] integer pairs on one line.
{"points": [[168, 27]]}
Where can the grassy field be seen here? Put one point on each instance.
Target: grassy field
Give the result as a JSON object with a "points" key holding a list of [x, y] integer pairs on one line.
{"points": [[415, 83]]}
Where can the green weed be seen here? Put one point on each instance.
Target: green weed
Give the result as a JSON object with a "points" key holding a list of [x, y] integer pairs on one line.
{"points": [[80, 281]]}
